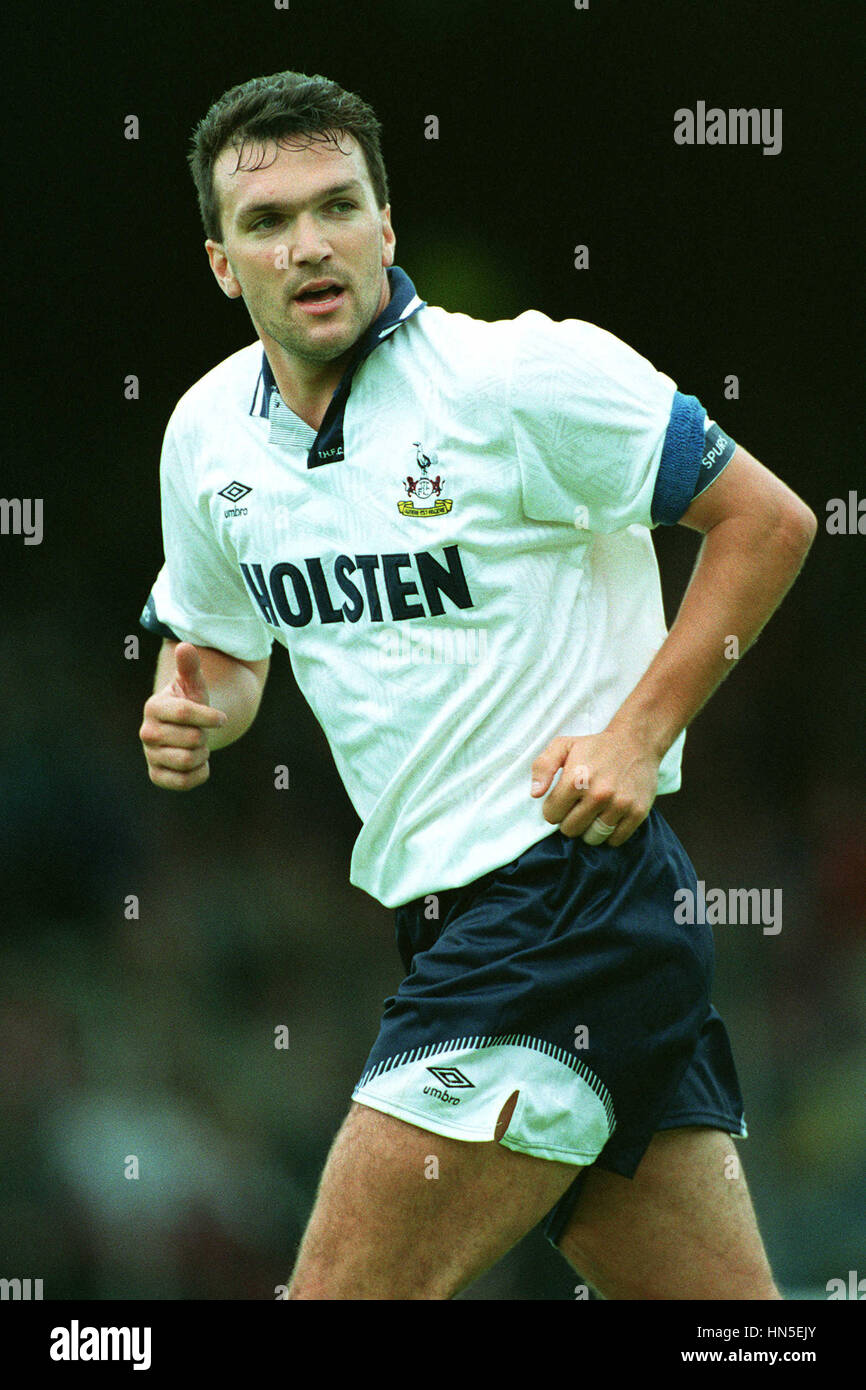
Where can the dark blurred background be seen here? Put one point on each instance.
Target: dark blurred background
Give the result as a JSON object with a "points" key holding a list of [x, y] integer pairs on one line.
{"points": [[154, 1036]]}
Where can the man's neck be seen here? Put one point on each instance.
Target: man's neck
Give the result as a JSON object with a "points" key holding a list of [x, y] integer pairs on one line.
{"points": [[307, 393], [307, 387]]}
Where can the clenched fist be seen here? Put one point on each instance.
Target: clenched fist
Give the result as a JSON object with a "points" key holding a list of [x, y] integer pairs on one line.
{"points": [[176, 720]]}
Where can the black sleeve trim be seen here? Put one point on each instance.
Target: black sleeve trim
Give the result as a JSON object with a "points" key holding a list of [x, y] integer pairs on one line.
{"points": [[150, 621]]}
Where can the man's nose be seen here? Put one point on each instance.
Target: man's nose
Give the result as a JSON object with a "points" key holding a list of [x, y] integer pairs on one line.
{"points": [[309, 242]]}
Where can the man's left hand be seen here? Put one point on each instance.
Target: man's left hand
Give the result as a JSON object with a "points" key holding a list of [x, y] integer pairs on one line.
{"points": [[611, 777]]}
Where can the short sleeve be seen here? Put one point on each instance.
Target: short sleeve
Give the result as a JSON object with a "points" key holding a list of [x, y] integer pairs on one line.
{"points": [[600, 434], [198, 596]]}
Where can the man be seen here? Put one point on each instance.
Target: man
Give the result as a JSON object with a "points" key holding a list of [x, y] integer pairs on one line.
{"points": [[378, 468]]}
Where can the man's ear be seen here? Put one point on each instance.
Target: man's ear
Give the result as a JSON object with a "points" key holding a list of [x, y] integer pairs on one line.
{"points": [[388, 235], [219, 264]]}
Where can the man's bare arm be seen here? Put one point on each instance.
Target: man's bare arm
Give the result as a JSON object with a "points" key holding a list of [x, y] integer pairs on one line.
{"points": [[203, 699], [756, 536]]}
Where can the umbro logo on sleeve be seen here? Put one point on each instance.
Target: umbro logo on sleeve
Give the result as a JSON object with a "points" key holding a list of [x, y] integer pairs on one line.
{"points": [[233, 493]]}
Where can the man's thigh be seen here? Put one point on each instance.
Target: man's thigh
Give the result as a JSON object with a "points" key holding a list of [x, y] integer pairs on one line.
{"points": [[682, 1228], [405, 1214]]}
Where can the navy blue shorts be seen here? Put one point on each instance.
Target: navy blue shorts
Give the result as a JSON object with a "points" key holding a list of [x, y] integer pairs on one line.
{"points": [[563, 976]]}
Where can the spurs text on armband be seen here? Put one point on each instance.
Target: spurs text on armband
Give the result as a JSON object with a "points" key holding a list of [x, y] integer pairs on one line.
{"points": [[22, 516]]}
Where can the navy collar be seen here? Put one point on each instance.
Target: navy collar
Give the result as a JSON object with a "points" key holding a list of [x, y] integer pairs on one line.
{"points": [[328, 444]]}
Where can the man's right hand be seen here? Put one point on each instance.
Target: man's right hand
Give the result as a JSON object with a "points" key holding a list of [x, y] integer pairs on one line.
{"points": [[176, 720]]}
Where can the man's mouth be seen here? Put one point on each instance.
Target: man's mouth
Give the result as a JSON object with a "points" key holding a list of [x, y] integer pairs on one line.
{"points": [[326, 296]]}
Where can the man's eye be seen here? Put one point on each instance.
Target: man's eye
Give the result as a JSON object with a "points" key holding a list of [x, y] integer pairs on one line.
{"points": [[257, 226], [344, 203]]}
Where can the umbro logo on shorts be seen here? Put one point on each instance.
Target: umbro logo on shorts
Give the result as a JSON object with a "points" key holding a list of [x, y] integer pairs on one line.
{"points": [[450, 1076]]}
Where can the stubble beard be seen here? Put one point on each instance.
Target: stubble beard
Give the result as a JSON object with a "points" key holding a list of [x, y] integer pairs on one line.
{"points": [[297, 344]]}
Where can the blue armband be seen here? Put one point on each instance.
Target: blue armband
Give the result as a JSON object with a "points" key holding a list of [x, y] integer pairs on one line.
{"points": [[694, 453]]}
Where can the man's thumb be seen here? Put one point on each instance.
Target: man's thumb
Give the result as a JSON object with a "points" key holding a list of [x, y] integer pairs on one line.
{"points": [[548, 763], [189, 680]]}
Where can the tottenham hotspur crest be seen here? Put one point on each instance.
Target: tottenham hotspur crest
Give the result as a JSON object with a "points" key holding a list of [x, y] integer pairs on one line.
{"points": [[424, 490]]}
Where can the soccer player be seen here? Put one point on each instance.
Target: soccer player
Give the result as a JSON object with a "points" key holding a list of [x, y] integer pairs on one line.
{"points": [[446, 523]]}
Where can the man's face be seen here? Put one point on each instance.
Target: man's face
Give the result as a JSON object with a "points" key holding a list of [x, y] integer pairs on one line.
{"points": [[309, 216]]}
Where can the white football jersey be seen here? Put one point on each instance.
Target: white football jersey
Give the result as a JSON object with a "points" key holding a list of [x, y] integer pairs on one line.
{"points": [[459, 563]]}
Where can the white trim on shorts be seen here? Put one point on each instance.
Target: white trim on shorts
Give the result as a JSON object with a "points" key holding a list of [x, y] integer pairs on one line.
{"points": [[564, 1112]]}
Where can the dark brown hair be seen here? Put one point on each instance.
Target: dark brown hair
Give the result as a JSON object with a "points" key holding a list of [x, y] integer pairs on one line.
{"points": [[279, 109]]}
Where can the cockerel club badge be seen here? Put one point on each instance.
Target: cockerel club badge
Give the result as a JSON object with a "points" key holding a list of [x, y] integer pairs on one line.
{"points": [[424, 490]]}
